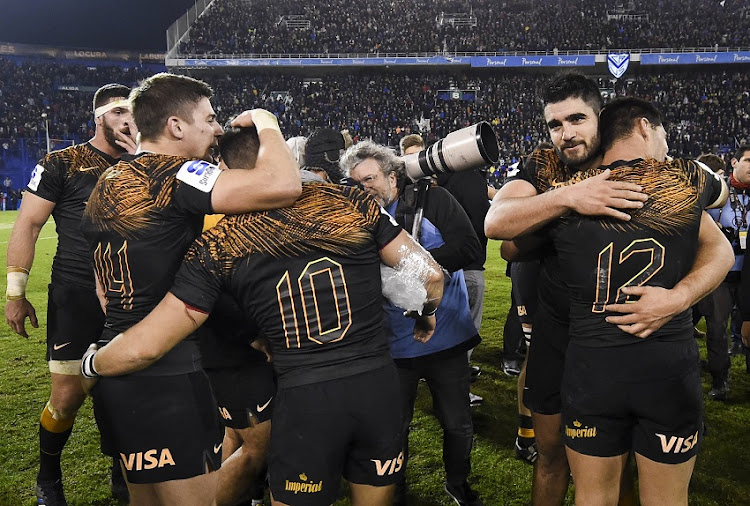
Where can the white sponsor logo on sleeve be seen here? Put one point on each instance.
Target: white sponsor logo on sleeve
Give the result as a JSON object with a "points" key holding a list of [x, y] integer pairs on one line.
{"points": [[199, 174], [36, 178], [393, 221]]}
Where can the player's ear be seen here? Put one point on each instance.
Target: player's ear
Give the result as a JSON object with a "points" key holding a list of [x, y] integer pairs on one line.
{"points": [[174, 127], [644, 128]]}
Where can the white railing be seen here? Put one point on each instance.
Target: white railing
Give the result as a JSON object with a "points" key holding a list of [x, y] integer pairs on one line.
{"points": [[177, 32], [553, 52]]}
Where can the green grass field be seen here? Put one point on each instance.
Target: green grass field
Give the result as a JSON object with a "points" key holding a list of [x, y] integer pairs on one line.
{"points": [[722, 475]]}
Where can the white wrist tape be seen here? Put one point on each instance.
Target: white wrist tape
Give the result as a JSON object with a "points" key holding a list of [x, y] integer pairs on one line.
{"points": [[265, 119], [16, 288], [87, 366]]}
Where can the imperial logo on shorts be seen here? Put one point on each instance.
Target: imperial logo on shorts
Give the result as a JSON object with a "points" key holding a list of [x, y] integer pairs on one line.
{"points": [[579, 431], [150, 459], [390, 466], [304, 486], [677, 444]]}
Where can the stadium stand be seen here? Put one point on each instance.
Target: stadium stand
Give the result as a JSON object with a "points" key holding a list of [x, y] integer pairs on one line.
{"points": [[426, 26], [709, 111]]}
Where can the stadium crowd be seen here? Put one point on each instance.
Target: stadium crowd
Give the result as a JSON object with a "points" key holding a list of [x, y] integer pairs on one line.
{"points": [[385, 26], [387, 107]]}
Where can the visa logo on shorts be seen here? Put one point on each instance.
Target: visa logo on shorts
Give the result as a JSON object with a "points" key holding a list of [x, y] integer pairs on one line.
{"points": [[579, 431], [677, 444], [140, 461], [390, 466], [303, 486]]}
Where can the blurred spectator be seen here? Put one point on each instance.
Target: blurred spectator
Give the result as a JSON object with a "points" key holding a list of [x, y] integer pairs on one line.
{"points": [[388, 26]]}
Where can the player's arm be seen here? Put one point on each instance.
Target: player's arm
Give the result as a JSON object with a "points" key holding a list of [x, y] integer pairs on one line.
{"points": [[518, 209], [656, 306], [34, 213], [403, 253], [146, 342], [273, 183]]}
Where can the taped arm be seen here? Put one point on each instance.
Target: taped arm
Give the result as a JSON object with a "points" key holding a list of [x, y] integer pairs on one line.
{"points": [[143, 344], [402, 252]]}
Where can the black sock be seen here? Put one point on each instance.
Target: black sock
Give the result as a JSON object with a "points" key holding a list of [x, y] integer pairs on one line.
{"points": [[51, 445], [525, 431]]}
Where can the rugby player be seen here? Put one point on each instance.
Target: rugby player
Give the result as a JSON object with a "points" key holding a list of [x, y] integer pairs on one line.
{"points": [[309, 275], [622, 392], [59, 187], [523, 205], [141, 217]]}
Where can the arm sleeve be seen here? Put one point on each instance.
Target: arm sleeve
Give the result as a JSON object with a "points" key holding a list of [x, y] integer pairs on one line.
{"points": [[47, 179], [199, 280], [194, 184], [461, 245], [712, 186], [378, 222]]}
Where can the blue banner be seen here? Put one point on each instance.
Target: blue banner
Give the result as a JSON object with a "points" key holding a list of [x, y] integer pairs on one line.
{"points": [[695, 58], [327, 62], [581, 60]]}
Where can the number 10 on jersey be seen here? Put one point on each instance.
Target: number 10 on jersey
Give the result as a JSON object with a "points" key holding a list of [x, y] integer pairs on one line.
{"points": [[320, 280]]}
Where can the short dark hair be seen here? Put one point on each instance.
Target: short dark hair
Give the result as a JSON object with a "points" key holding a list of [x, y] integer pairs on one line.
{"points": [[239, 147], [573, 85], [109, 91], [164, 95], [713, 162], [741, 151], [618, 118], [409, 141]]}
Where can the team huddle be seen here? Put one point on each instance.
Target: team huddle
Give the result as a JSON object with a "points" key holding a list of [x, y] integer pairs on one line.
{"points": [[260, 347]]}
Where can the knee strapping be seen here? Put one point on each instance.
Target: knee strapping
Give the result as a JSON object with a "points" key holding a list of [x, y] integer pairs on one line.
{"points": [[56, 421]]}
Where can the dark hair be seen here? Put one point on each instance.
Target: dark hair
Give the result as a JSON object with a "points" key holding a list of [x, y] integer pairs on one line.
{"points": [[618, 118], [741, 151], [573, 85], [713, 162], [164, 95], [239, 147], [109, 91]]}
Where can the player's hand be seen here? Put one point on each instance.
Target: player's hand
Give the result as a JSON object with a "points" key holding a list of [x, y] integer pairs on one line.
{"points": [[599, 196], [88, 383], [127, 141], [260, 118], [746, 334], [16, 312], [655, 307], [424, 326], [262, 344]]}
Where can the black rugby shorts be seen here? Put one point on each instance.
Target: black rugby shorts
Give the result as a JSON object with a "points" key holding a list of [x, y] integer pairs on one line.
{"points": [[74, 321], [645, 397], [245, 394], [160, 427], [348, 427]]}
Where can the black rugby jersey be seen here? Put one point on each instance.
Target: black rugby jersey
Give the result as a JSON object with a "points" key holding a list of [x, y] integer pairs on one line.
{"points": [[542, 169], [308, 275], [67, 177], [140, 220], [657, 247]]}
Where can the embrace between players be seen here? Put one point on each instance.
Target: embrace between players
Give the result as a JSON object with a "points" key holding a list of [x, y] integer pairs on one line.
{"points": [[302, 262]]}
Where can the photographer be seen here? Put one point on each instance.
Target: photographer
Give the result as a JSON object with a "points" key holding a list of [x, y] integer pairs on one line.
{"points": [[447, 234], [717, 307]]}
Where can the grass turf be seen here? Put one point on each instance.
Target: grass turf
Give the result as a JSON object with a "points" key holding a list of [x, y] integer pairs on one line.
{"points": [[721, 476]]}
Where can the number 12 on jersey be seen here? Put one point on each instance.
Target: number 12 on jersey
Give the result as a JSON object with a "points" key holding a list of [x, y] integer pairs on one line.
{"points": [[650, 247], [320, 280]]}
